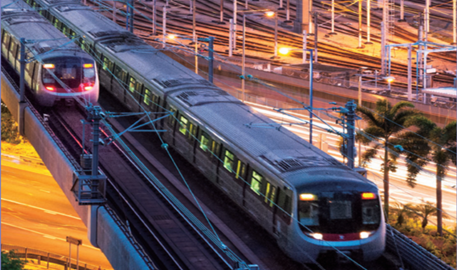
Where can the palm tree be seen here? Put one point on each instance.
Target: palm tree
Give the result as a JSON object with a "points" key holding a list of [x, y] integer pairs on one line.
{"points": [[443, 152], [424, 211], [402, 210], [442, 145], [384, 124]]}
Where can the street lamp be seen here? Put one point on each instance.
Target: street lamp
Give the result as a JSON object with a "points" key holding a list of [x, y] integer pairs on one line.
{"points": [[275, 15], [210, 41], [389, 79], [361, 69], [285, 51], [243, 58]]}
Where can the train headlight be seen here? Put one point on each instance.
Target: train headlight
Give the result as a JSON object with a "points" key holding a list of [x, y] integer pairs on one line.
{"points": [[364, 235], [317, 236]]}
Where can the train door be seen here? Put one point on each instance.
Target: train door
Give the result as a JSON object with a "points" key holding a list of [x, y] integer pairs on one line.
{"points": [[132, 97], [118, 84], [105, 72], [5, 43], [12, 52], [282, 210]]}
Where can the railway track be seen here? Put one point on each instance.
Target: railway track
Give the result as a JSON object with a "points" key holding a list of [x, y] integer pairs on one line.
{"points": [[261, 40], [158, 225]]}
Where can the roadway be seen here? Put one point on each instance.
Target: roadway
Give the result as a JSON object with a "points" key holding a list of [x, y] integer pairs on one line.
{"points": [[36, 214]]}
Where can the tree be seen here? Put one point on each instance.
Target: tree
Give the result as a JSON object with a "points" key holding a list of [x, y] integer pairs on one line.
{"points": [[402, 210], [443, 151], [441, 143], [424, 211], [383, 125], [10, 261], [10, 133]]}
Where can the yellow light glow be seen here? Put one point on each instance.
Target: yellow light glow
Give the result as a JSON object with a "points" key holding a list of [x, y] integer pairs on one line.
{"points": [[171, 36], [368, 196], [48, 66], [308, 197], [284, 51], [389, 78], [270, 13]]}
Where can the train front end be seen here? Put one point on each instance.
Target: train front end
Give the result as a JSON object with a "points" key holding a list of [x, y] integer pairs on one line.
{"points": [[67, 78], [341, 217]]}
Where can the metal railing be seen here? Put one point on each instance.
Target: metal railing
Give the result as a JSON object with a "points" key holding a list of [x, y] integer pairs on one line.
{"points": [[412, 254], [47, 258]]}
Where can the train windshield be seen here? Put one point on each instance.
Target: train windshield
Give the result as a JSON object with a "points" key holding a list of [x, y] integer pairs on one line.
{"points": [[78, 74], [339, 212]]}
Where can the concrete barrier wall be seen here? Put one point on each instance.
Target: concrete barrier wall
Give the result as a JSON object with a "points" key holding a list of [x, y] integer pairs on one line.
{"points": [[110, 238]]}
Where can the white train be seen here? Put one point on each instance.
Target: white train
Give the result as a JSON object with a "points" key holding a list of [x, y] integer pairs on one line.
{"points": [[58, 69], [307, 200]]}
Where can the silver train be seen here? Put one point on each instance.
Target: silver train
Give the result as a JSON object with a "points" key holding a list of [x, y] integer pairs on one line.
{"points": [[58, 70], [308, 201]]}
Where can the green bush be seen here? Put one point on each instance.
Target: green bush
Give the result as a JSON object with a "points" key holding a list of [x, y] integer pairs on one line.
{"points": [[441, 246], [10, 132], [10, 261]]}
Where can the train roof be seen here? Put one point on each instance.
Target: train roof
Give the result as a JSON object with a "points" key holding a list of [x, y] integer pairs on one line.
{"points": [[97, 28], [40, 35], [278, 149], [271, 145]]}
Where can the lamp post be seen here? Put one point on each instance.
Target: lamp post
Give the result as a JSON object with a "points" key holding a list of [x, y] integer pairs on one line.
{"points": [[210, 41], [389, 79], [333, 19], [243, 55], [360, 25], [368, 22], [275, 15], [361, 69], [287, 50]]}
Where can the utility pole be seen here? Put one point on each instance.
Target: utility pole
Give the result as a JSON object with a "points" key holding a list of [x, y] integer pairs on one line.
{"points": [[315, 36], [360, 25], [131, 16], [22, 103], [211, 59], [350, 116], [154, 19], [383, 49]]}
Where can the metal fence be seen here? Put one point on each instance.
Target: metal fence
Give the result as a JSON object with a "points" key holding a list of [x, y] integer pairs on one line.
{"points": [[47, 258], [413, 255]]}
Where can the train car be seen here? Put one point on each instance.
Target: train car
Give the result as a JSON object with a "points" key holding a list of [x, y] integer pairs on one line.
{"points": [[308, 201], [57, 68]]}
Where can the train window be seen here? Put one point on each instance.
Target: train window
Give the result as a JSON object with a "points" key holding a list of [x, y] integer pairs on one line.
{"points": [[118, 73], [241, 170], [132, 83], [5, 43], [204, 141], [107, 64], [340, 209], [270, 193], [192, 131], [183, 122], [308, 213], [55, 22], [215, 148], [64, 30], [229, 160], [256, 182], [72, 34], [147, 96], [370, 212], [172, 115], [82, 43]]}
